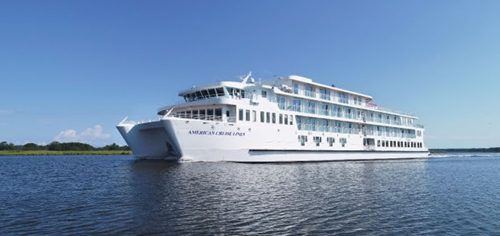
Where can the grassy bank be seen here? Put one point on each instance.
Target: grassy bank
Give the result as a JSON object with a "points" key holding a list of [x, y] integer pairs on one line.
{"points": [[48, 153]]}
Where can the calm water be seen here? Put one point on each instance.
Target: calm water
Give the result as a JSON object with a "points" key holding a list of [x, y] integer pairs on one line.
{"points": [[117, 195]]}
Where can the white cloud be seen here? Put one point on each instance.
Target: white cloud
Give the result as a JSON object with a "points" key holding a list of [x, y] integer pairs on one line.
{"points": [[90, 135]]}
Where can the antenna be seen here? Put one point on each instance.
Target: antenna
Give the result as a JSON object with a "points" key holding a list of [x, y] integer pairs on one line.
{"points": [[245, 79]]}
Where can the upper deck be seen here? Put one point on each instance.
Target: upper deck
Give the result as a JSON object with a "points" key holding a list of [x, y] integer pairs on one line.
{"points": [[292, 86]]}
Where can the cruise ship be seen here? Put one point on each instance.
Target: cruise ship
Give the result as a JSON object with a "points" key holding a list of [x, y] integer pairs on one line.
{"points": [[286, 119]]}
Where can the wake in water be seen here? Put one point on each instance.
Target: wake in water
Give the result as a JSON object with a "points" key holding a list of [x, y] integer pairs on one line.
{"points": [[462, 154]]}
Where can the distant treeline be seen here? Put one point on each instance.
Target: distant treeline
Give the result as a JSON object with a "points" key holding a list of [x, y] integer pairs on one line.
{"points": [[493, 149], [57, 146]]}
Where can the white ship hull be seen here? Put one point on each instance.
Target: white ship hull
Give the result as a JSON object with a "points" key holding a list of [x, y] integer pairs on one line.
{"points": [[177, 139], [290, 119]]}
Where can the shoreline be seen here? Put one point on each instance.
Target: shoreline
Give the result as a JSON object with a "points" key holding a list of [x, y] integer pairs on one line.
{"points": [[61, 153]]}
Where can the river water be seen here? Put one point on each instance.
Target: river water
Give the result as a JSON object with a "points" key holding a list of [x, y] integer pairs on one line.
{"points": [[450, 194]]}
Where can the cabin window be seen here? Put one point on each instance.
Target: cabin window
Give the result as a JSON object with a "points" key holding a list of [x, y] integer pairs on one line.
{"points": [[378, 143], [291, 119], [281, 119], [247, 114], [297, 106], [317, 140], [281, 102], [240, 114], [202, 114], [262, 116], [302, 139], [343, 141], [195, 114], [212, 93], [311, 107], [286, 119], [330, 141], [268, 117], [254, 116], [274, 118], [310, 91], [264, 94], [295, 88], [210, 114], [218, 114], [220, 92], [205, 93]]}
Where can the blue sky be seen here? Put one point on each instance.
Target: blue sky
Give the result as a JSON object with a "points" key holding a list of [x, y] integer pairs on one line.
{"points": [[71, 70]]}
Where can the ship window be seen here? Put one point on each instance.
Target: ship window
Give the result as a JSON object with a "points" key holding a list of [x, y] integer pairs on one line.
{"points": [[383, 143], [211, 92], [247, 115], [188, 114], [343, 141], [295, 88], [264, 94], [317, 140], [262, 116], [254, 116], [205, 93], [202, 114], [210, 114], [268, 117], [286, 119], [281, 119], [242, 93], [199, 95], [195, 114], [291, 120], [218, 114], [330, 141], [378, 143], [274, 118], [220, 92], [240, 114], [302, 139]]}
